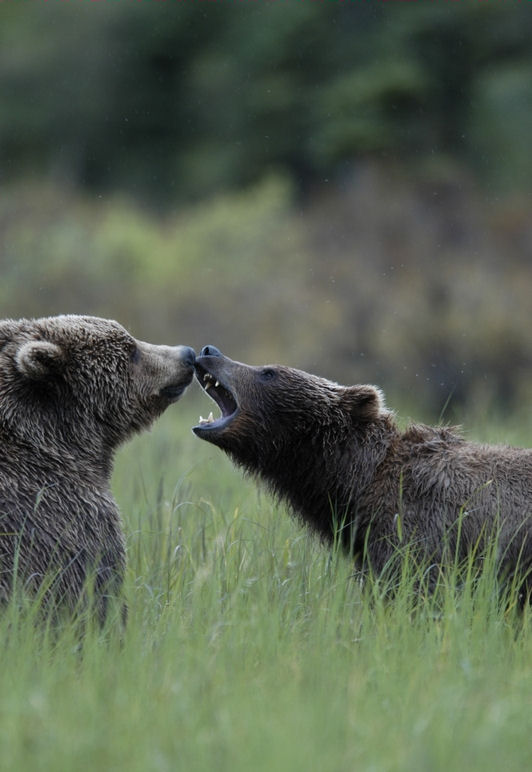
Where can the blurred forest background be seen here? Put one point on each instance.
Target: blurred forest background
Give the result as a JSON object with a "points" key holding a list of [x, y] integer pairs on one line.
{"points": [[345, 187]]}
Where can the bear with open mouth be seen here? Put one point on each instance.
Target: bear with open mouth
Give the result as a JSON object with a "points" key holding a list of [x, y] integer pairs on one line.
{"points": [[337, 456]]}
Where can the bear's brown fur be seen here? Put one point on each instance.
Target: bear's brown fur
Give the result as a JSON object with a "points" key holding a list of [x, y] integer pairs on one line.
{"points": [[337, 456], [72, 388]]}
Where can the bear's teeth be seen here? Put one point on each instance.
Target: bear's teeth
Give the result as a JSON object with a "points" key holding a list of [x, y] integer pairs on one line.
{"points": [[209, 380], [216, 384], [208, 420]]}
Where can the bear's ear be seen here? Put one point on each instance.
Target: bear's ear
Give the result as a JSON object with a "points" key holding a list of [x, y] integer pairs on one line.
{"points": [[37, 359], [363, 403]]}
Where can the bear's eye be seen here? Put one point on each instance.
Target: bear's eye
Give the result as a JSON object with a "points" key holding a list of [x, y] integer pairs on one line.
{"points": [[267, 374], [134, 356]]}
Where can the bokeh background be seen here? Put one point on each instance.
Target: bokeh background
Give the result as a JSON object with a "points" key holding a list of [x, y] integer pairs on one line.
{"points": [[345, 187]]}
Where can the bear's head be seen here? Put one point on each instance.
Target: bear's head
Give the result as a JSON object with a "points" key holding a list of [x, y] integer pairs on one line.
{"points": [[269, 412], [81, 381]]}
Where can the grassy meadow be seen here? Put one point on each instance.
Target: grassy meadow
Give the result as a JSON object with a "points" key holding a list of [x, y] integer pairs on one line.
{"points": [[250, 646]]}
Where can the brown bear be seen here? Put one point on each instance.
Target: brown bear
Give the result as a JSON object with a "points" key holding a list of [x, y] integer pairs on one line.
{"points": [[337, 456], [72, 388]]}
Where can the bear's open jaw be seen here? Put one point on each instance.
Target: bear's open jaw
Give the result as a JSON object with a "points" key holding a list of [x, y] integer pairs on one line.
{"points": [[223, 397]]}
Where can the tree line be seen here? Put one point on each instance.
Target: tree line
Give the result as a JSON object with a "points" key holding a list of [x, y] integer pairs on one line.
{"points": [[175, 101]]}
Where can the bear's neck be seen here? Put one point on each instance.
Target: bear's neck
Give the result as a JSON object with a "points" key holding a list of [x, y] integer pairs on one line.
{"points": [[323, 478], [58, 451]]}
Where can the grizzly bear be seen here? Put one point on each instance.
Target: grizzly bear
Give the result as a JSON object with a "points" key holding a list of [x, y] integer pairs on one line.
{"points": [[72, 388], [336, 455]]}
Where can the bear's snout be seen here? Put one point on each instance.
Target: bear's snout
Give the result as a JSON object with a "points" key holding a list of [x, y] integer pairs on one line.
{"points": [[210, 351], [187, 355]]}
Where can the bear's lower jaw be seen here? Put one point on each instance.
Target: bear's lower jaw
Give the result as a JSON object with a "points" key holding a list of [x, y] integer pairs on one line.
{"points": [[210, 428], [173, 392]]}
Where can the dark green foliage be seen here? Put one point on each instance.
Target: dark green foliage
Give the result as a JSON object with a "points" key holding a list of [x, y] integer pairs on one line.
{"points": [[177, 99]]}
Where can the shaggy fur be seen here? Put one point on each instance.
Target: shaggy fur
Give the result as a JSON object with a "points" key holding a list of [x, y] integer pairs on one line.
{"points": [[72, 388], [337, 456]]}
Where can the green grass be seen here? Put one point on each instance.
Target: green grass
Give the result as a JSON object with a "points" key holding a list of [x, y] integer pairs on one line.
{"points": [[250, 646]]}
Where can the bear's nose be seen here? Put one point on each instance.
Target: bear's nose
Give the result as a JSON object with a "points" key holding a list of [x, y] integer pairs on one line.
{"points": [[210, 351], [188, 355]]}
